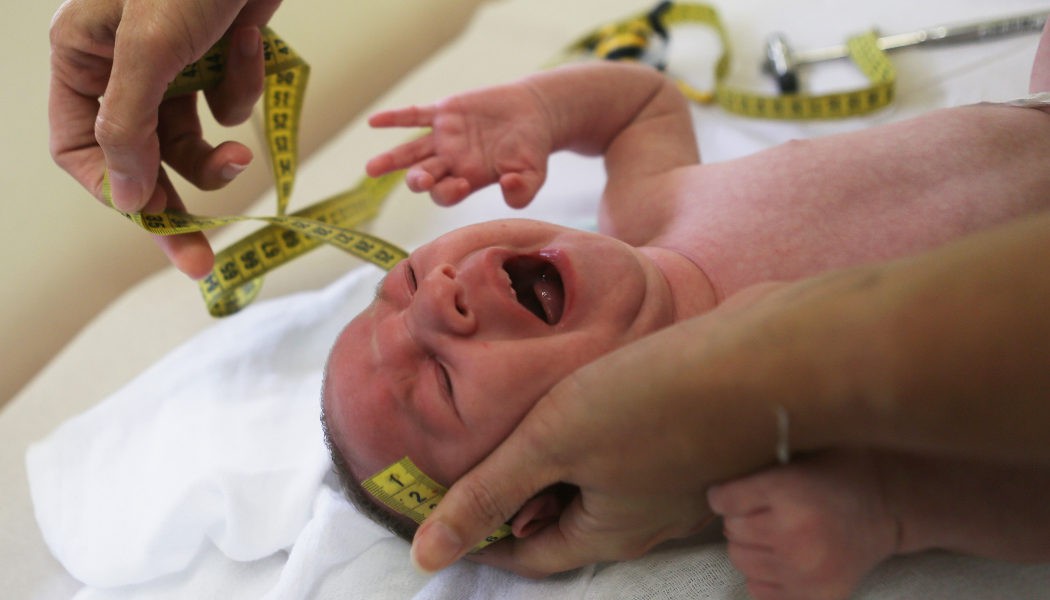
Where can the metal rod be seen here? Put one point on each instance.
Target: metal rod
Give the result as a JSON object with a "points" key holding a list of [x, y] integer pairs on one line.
{"points": [[942, 34]]}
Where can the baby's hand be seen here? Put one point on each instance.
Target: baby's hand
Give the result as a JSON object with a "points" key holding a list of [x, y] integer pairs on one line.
{"points": [[811, 529], [495, 135]]}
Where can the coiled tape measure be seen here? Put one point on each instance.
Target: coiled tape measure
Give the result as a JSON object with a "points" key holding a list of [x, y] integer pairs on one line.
{"points": [[236, 278]]}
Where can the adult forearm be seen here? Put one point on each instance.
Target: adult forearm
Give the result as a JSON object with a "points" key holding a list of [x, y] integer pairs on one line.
{"points": [[948, 352]]}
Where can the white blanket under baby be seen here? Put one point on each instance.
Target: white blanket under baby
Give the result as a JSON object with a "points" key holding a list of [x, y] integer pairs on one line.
{"points": [[206, 476]]}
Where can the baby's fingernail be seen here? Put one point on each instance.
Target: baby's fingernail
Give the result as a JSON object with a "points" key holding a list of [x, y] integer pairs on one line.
{"points": [[127, 193], [416, 181], [231, 170], [434, 547]]}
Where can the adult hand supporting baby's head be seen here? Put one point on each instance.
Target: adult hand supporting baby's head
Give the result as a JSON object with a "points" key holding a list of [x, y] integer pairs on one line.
{"points": [[641, 432], [111, 62]]}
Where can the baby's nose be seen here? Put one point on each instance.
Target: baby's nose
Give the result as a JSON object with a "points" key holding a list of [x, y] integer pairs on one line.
{"points": [[441, 304]]}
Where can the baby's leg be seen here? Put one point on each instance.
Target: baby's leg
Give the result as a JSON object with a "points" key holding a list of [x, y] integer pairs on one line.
{"points": [[813, 529]]}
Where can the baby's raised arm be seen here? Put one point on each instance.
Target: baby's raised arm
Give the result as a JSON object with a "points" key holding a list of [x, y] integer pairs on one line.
{"points": [[504, 134]]}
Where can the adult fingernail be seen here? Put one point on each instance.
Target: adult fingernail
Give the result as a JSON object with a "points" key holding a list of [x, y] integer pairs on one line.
{"points": [[127, 192], [434, 547], [231, 170]]}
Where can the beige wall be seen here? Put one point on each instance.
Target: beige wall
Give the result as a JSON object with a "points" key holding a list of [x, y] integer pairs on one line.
{"points": [[65, 257]]}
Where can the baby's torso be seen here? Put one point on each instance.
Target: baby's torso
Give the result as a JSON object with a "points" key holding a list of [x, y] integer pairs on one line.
{"points": [[808, 206]]}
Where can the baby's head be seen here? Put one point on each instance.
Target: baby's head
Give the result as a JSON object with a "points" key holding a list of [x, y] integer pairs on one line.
{"points": [[468, 333]]}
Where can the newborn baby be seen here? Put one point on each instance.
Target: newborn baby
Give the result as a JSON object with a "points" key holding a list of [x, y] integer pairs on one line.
{"points": [[473, 328]]}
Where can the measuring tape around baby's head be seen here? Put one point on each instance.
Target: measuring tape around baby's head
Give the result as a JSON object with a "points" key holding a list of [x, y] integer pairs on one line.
{"points": [[408, 491]]}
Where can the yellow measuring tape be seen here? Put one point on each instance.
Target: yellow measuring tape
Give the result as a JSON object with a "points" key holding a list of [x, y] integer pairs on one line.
{"points": [[631, 37], [236, 278], [407, 490]]}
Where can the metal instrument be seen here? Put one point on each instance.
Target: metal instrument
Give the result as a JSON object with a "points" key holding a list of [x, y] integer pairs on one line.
{"points": [[783, 62]]}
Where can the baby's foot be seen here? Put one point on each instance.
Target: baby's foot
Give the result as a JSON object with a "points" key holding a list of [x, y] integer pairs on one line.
{"points": [[811, 529]]}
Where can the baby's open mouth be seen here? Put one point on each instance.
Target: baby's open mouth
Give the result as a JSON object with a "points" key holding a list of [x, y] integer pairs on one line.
{"points": [[537, 285]]}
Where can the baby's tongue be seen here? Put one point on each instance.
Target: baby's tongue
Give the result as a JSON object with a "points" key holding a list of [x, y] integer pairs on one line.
{"points": [[549, 294]]}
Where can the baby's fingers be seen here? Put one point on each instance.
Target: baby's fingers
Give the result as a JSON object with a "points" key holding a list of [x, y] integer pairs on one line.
{"points": [[520, 188], [413, 116], [401, 157], [432, 175], [450, 190]]}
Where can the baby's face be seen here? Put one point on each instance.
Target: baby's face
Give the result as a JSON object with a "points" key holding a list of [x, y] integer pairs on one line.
{"points": [[471, 330]]}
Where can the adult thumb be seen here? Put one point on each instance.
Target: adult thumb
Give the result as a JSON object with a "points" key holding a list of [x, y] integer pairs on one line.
{"points": [[126, 130], [152, 43], [482, 500], [126, 126]]}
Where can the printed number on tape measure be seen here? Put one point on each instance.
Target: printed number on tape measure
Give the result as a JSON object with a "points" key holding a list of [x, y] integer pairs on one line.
{"points": [[237, 276], [408, 491]]}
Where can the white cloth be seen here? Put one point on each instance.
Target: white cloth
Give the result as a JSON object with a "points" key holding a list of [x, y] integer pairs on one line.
{"points": [[218, 442]]}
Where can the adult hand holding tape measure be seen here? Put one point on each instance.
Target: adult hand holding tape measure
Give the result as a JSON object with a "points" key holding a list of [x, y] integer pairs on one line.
{"points": [[234, 280], [111, 62]]}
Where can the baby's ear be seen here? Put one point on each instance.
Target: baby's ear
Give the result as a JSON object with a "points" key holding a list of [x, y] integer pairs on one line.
{"points": [[542, 510]]}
